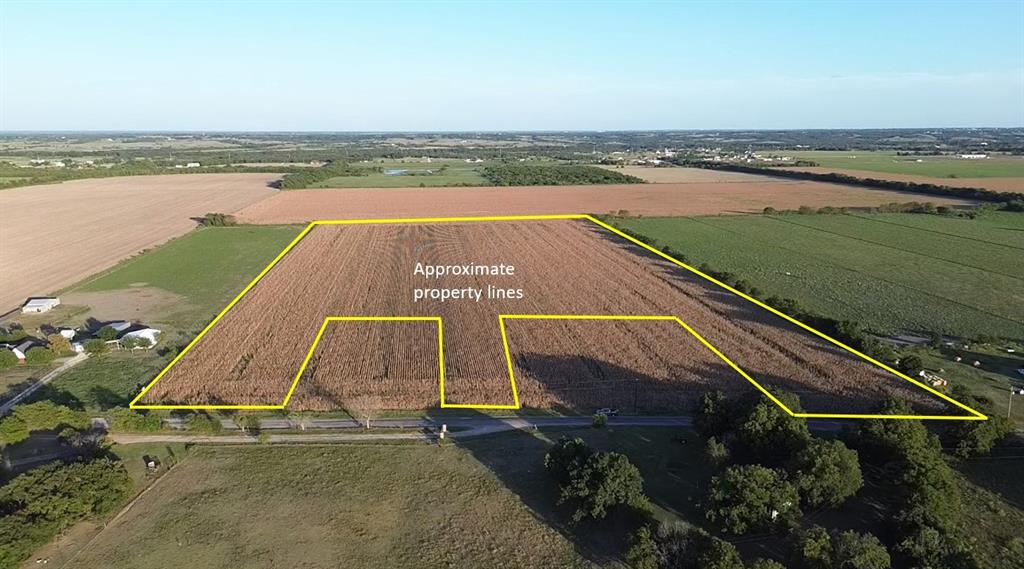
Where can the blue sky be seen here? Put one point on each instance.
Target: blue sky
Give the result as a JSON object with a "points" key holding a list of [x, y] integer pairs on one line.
{"points": [[509, 66]]}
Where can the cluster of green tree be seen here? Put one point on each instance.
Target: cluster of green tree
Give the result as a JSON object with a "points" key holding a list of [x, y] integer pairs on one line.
{"points": [[307, 177], [673, 546], [38, 505], [979, 194], [772, 464], [925, 506], [676, 547], [928, 208], [41, 416], [520, 174], [595, 483]]}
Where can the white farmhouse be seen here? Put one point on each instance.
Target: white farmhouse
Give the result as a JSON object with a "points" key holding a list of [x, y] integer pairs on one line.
{"points": [[40, 304], [21, 350], [151, 335]]}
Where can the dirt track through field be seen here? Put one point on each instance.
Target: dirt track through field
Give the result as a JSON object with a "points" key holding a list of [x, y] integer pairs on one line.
{"points": [[994, 184], [53, 236], [707, 198], [252, 354]]}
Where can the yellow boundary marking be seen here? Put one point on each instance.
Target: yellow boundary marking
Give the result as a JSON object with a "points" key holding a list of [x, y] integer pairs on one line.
{"points": [[974, 415]]}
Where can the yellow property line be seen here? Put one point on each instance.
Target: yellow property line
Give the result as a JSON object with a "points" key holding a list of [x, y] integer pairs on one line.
{"points": [[440, 359], [974, 415]]}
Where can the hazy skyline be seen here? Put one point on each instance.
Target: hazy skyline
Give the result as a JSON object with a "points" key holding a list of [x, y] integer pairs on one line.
{"points": [[326, 66]]}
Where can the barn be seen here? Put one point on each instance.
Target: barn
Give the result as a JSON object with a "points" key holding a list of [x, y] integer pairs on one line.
{"points": [[40, 304]]}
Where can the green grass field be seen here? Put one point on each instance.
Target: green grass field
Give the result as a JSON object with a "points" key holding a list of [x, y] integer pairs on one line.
{"points": [[103, 382], [935, 166], [454, 173], [893, 272], [991, 380], [336, 506], [207, 267], [483, 502]]}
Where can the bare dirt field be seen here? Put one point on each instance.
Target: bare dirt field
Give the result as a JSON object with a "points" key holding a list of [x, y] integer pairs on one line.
{"points": [[136, 304], [994, 184], [679, 175], [55, 235], [708, 198], [251, 356]]}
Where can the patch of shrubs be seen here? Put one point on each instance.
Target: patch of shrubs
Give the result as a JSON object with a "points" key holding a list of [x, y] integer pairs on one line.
{"points": [[203, 423], [126, 420], [219, 220]]}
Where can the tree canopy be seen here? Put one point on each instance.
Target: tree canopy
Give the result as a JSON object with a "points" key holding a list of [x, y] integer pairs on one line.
{"points": [[751, 498]]}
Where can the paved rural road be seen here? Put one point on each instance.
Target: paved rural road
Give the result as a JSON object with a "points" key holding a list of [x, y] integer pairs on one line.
{"points": [[463, 427], [6, 407]]}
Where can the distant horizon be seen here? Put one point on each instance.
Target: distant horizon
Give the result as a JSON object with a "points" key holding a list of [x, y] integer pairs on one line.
{"points": [[492, 131], [371, 67]]}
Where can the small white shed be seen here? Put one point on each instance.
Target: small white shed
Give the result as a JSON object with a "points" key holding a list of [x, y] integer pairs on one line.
{"points": [[40, 304]]}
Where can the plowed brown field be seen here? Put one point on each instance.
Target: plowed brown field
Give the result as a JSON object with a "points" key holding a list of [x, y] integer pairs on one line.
{"points": [[252, 354], [705, 198], [55, 235], [994, 184]]}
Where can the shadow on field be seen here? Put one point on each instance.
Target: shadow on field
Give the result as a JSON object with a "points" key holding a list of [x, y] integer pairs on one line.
{"points": [[999, 473], [583, 384]]}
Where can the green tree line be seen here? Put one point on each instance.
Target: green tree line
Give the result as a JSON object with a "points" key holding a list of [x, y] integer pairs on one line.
{"points": [[553, 175]]}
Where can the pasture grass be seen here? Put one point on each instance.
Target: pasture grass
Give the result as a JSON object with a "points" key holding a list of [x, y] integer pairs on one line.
{"points": [[207, 267], [481, 502], [934, 166], [103, 381], [329, 506], [133, 458], [428, 174], [990, 381], [891, 272]]}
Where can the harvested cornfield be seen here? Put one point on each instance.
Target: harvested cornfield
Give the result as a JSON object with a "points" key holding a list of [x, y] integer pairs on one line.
{"points": [[658, 367], [727, 196], [252, 355], [401, 370]]}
